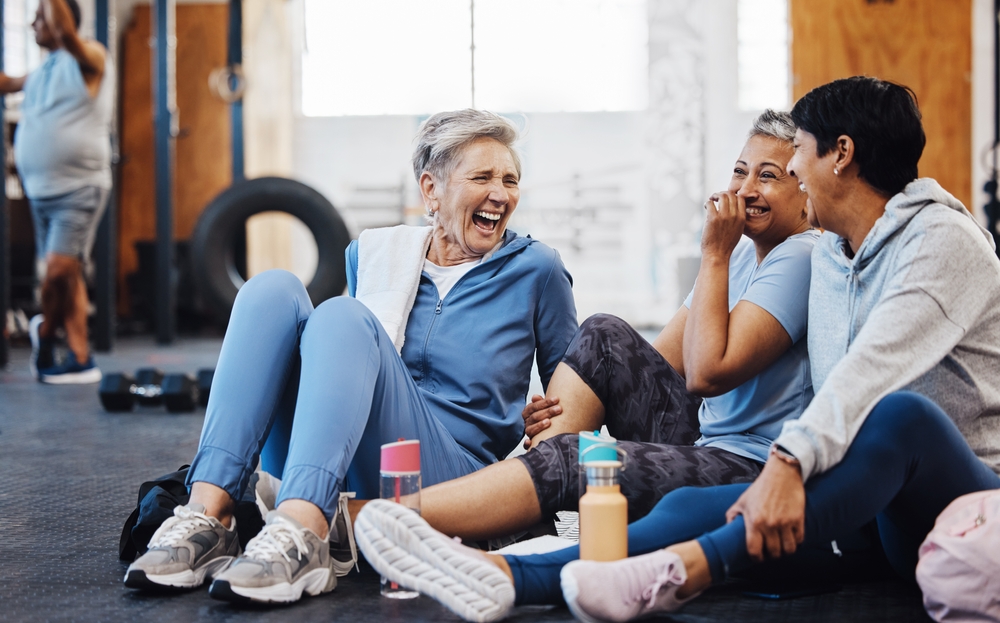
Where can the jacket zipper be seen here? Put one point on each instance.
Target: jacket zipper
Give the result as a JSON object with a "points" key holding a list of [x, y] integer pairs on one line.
{"points": [[437, 312]]}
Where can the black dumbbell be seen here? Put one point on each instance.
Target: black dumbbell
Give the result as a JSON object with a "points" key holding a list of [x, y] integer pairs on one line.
{"points": [[117, 392], [178, 392], [120, 391]]}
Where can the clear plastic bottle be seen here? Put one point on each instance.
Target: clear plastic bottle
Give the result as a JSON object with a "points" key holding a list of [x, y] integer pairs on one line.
{"points": [[603, 514], [400, 472]]}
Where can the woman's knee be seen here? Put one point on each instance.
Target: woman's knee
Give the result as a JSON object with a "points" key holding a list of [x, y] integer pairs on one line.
{"points": [[272, 285], [905, 413], [604, 325], [342, 313]]}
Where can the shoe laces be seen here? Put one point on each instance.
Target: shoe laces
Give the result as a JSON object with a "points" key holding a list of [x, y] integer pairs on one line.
{"points": [[273, 541], [176, 528], [649, 589], [663, 578], [342, 509]]}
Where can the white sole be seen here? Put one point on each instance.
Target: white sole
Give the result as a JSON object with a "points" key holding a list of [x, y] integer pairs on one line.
{"points": [[84, 377], [570, 591], [189, 578], [312, 583], [404, 548]]}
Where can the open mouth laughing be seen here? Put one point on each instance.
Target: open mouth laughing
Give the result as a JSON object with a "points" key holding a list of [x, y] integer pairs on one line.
{"points": [[486, 222]]}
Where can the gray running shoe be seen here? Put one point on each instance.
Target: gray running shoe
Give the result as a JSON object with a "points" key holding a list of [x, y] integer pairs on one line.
{"points": [[404, 548], [186, 549], [283, 561], [343, 549], [637, 587]]}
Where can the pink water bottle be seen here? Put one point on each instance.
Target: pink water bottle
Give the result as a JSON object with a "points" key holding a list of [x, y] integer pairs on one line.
{"points": [[400, 470]]}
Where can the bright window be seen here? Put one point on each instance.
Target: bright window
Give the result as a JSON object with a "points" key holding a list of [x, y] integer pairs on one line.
{"points": [[414, 56], [762, 53], [21, 54]]}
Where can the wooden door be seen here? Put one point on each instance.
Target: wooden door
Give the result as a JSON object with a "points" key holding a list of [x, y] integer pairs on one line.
{"points": [[203, 161], [923, 44]]}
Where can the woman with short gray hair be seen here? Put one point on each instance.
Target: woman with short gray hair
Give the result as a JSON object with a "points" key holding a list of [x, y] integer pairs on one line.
{"points": [[434, 343]]}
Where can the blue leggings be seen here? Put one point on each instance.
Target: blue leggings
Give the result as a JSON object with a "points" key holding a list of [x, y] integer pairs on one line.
{"points": [[907, 463], [324, 389]]}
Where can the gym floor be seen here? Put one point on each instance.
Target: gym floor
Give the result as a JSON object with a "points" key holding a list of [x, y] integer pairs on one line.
{"points": [[69, 473]]}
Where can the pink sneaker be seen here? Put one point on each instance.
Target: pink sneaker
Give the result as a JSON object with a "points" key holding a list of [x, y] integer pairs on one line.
{"points": [[625, 589]]}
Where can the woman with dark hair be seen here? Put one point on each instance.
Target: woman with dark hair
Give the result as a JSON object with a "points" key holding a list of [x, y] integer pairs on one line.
{"points": [[904, 314]]}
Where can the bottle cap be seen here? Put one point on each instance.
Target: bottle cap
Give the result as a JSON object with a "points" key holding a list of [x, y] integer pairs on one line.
{"points": [[401, 457], [603, 473], [607, 449]]}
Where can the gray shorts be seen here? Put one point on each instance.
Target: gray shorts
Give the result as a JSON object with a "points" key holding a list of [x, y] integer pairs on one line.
{"points": [[66, 224]]}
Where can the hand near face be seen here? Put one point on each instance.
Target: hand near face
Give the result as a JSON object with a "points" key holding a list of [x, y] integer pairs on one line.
{"points": [[724, 222], [774, 511]]}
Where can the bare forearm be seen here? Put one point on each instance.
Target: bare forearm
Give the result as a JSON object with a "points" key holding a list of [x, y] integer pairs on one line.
{"points": [[58, 18], [706, 333], [11, 84]]}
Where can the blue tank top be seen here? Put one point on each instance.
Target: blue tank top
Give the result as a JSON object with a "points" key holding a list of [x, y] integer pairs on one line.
{"points": [[62, 142]]}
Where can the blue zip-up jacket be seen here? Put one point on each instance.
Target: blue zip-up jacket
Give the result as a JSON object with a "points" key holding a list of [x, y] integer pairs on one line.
{"points": [[471, 353]]}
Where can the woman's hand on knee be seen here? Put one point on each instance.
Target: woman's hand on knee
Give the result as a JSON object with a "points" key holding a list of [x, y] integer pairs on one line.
{"points": [[538, 414], [773, 510]]}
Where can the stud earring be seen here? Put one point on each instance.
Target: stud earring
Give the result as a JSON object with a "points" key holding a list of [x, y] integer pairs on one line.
{"points": [[836, 171], [802, 187]]}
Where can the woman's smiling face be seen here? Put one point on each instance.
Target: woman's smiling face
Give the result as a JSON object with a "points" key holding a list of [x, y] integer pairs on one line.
{"points": [[475, 201], [775, 207]]}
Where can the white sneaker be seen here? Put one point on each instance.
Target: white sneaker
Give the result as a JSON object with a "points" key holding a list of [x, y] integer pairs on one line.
{"points": [[637, 587], [404, 548]]}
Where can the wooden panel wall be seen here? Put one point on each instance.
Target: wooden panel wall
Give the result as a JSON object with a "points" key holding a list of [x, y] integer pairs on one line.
{"points": [[923, 44], [203, 166]]}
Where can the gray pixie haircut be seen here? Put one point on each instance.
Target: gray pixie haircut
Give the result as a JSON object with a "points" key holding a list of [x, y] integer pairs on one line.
{"points": [[775, 124], [441, 138]]}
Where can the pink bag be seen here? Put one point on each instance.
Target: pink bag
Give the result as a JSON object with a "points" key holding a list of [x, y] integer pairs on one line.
{"points": [[959, 568]]}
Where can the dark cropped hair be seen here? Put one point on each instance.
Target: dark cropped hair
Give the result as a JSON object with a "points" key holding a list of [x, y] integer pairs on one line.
{"points": [[74, 8], [881, 118]]}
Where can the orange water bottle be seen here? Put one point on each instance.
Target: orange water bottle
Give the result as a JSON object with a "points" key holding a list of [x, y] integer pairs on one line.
{"points": [[603, 514]]}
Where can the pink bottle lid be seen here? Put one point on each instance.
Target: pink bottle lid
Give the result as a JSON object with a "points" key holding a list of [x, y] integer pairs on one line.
{"points": [[401, 457]]}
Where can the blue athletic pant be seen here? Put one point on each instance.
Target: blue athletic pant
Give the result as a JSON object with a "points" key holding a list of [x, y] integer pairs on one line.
{"points": [[324, 388], [907, 463]]}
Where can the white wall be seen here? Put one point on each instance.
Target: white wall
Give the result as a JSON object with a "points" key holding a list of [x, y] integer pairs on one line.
{"points": [[595, 184], [982, 100]]}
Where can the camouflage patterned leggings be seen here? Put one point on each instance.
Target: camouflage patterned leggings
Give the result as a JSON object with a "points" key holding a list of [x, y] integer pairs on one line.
{"points": [[651, 413]]}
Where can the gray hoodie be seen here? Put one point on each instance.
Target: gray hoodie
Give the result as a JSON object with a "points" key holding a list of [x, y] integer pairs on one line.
{"points": [[917, 308]]}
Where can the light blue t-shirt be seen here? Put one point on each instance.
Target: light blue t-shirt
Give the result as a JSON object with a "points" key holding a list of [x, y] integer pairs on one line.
{"points": [[747, 419], [63, 142]]}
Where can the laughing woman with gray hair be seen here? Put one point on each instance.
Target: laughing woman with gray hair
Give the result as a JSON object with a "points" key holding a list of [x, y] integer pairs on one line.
{"points": [[316, 392]]}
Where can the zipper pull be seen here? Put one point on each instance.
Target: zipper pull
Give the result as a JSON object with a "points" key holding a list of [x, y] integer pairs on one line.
{"points": [[437, 310]]}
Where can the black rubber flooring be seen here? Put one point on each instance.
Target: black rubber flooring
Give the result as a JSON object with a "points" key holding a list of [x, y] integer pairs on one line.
{"points": [[68, 479]]}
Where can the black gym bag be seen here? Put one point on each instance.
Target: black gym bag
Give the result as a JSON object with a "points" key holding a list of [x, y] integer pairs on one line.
{"points": [[157, 500]]}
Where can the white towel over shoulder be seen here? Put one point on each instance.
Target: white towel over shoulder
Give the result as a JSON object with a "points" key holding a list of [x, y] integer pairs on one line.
{"points": [[390, 260]]}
